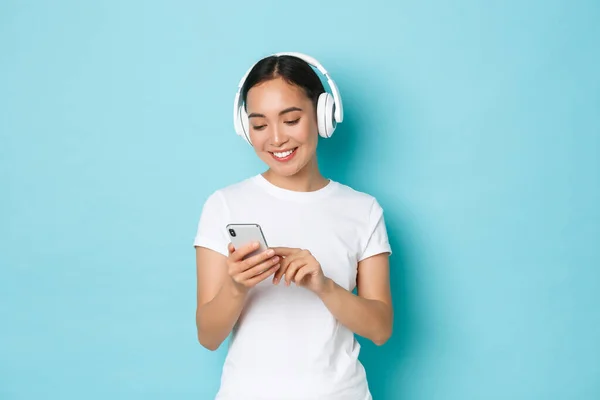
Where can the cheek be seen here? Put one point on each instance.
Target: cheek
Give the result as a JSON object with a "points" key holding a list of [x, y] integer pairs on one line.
{"points": [[306, 132], [258, 138]]}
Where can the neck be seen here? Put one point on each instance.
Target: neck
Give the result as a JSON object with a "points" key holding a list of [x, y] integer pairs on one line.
{"points": [[308, 179]]}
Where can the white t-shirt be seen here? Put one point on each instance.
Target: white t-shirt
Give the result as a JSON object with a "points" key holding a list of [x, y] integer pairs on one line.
{"points": [[286, 344]]}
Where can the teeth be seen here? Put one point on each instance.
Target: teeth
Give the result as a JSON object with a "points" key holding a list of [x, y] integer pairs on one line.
{"points": [[284, 154]]}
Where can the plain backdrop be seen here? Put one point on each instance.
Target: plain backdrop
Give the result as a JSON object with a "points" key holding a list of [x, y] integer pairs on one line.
{"points": [[475, 124]]}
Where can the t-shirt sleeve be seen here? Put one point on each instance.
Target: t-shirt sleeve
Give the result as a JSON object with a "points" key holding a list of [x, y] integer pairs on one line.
{"points": [[376, 235], [211, 231]]}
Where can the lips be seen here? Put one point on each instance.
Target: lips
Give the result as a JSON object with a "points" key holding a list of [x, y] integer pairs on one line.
{"points": [[284, 155]]}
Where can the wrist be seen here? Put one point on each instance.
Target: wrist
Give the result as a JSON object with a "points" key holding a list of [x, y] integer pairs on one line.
{"points": [[327, 289], [234, 289]]}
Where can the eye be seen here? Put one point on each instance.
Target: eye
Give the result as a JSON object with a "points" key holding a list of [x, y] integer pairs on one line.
{"points": [[259, 127], [294, 122]]}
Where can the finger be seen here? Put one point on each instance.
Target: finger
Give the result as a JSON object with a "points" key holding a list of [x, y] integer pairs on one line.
{"points": [[293, 257], [243, 251], [258, 269], [284, 266], [257, 259], [263, 275], [302, 272], [279, 273], [292, 269], [285, 251], [230, 248]]}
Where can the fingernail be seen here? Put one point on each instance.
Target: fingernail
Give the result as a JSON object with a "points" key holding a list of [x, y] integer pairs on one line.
{"points": [[270, 252], [255, 244], [275, 259]]}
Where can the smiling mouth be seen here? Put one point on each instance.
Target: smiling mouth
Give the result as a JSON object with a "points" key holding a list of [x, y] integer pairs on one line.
{"points": [[283, 155]]}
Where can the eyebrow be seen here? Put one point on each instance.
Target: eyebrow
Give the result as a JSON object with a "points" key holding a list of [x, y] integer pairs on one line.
{"points": [[287, 110]]}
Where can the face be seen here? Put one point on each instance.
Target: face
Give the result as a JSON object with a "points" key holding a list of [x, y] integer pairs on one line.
{"points": [[283, 126]]}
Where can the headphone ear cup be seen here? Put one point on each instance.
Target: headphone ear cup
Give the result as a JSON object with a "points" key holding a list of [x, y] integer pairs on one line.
{"points": [[245, 125], [325, 109]]}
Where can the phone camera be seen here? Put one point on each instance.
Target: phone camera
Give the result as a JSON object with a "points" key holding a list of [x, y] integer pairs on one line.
{"points": [[232, 232]]}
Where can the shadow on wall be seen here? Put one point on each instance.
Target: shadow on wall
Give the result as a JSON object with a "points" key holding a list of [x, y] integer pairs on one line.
{"points": [[342, 158]]}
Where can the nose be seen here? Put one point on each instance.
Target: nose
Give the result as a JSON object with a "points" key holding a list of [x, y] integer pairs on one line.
{"points": [[278, 138]]}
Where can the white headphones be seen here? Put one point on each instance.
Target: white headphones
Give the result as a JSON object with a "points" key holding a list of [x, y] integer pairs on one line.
{"points": [[329, 106]]}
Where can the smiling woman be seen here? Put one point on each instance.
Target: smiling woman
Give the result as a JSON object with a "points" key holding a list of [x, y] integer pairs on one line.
{"points": [[291, 308], [281, 97]]}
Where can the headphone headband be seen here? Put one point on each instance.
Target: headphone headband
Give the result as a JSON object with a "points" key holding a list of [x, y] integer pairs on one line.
{"points": [[338, 110]]}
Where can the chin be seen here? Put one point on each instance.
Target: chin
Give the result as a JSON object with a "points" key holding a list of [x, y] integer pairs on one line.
{"points": [[284, 169], [288, 173]]}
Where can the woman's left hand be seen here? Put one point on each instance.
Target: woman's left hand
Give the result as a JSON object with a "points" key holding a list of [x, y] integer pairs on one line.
{"points": [[301, 267]]}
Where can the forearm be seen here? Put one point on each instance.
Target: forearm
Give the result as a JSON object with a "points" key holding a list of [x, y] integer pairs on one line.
{"points": [[371, 319], [216, 319]]}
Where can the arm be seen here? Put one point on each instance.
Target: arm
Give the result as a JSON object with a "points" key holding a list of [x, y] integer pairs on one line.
{"points": [[223, 283], [370, 314], [219, 304]]}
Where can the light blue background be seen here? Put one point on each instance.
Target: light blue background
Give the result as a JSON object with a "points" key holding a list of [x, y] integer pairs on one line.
{"points": [[475, 124]]}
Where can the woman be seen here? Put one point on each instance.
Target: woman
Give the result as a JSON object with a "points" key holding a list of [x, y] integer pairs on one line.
{"points": [[291, 310]]}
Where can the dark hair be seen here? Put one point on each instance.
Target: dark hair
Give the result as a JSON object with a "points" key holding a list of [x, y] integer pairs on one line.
{"points": [[292, 69]]}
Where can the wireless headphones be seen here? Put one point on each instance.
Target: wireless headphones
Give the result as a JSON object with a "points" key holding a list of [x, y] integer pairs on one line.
{"points": [[329, 106]]}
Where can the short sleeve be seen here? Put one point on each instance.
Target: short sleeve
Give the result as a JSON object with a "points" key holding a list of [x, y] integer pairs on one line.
{"points": [[376, 241], [211, 231]]}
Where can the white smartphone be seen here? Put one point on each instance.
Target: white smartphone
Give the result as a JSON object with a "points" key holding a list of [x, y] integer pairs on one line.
{"points": [[242, 234]]}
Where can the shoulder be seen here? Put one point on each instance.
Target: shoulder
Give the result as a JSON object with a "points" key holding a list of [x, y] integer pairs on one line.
{"points": [[232, 190], [356, 197], [218, 204]]}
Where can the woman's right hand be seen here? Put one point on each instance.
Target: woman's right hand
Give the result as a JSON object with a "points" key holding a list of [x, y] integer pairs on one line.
{"points": [[247, 273]]}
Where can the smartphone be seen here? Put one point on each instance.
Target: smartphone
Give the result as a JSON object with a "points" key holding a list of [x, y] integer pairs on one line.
{"points": [[242, 234]]}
